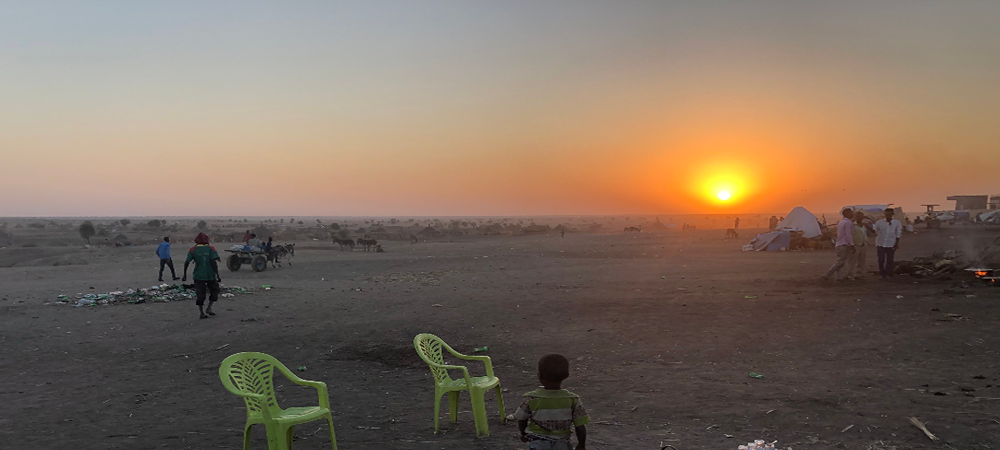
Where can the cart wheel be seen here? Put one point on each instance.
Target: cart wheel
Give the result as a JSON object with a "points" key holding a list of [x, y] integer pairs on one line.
{"points": [[259, 263], [233, 263]]}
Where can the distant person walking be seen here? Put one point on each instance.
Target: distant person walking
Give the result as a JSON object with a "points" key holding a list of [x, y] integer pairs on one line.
{"points": [[856, 263], [887, 234], [562, 233], [206, 273], [845, 244], [773, 223], [736, 224], [163, 251]]}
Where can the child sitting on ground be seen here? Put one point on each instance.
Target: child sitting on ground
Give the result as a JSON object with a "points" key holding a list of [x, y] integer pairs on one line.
{"points": [[547, 416]]}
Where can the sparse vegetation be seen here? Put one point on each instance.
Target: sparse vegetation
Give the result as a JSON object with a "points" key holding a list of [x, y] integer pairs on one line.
{"points": [[202, 224], [155, 223], [36, 225], [124, 222]]}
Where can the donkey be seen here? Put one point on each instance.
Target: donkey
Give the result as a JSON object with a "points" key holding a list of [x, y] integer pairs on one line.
{"points": [[367, 243], [343, 242]]}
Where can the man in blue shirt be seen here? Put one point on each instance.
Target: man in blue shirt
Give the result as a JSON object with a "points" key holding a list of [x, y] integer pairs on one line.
{"points": [[163, 251]]}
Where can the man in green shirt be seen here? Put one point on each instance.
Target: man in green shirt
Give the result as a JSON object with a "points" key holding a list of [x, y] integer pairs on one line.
{"points": [[206, 273]]}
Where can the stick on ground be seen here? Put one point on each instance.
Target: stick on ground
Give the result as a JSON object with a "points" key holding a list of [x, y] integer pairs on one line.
{"points": [[917, 423]]}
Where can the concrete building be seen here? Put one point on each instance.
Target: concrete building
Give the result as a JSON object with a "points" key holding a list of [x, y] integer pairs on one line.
{"points": [[969, 202]]}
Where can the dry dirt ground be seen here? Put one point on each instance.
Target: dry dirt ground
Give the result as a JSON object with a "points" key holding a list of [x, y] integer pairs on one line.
{"points": [[662, 330]]}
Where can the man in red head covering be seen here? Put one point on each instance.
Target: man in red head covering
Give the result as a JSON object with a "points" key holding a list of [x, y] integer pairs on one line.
{"points": [[206, 273]]}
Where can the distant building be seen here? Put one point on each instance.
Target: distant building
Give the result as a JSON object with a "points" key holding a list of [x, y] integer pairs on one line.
{"points": [[994, 202], [969, 202]]}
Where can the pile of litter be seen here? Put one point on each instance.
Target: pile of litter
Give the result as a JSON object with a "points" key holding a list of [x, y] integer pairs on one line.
{"points": [[161, 293], [938, 264]]}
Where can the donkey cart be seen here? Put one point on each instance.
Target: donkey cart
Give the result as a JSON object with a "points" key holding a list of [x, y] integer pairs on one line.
{"points": [[256, 258]]}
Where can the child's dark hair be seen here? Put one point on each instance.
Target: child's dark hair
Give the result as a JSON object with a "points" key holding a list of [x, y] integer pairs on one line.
{"points": [[553, 368]]}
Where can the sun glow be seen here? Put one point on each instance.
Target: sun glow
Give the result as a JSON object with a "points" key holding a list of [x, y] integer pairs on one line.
{"points": [[723, 195]]}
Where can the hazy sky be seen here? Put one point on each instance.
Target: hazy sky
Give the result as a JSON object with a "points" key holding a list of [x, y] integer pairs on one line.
{"points": [[494, 108]]}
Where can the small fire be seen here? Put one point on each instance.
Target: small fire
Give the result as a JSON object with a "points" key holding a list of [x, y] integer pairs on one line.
{"points": [[981, 273]]}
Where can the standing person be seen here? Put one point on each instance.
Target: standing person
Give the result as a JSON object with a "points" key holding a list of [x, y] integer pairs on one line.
{"points": [[549, 415], [845, 244], [267, 246], [773, 223], [246, 237], [736, 225], [887, 234], [562, 233], [163, 251], [856, 263], [206, 273]]}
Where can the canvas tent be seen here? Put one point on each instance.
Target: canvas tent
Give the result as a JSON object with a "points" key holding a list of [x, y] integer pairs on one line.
{"points": [[773, 241], [800, 219], [875, 211]]}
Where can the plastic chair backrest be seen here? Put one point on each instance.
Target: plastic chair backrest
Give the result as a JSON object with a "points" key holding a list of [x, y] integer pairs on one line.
{"points": [[429, 348], [251, 372]]}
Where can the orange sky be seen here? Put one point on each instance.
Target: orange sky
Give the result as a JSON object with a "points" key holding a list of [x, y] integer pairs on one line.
{"points": [[503, 109]]}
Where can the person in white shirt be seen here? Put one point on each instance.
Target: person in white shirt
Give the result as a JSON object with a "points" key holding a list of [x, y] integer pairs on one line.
{"points": [[887, 234]]}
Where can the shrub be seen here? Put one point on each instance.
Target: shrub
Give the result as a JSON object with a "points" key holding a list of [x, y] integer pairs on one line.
{"points": [[155, 223], [124, 222], [202, 224]]}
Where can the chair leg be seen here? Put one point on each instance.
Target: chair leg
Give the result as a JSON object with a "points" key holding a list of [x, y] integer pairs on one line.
{"points": [[288, 437], [503, 412], [453, 405], [479, 412], [246, 436], [276, 438], [333, 436], [437, 410]]}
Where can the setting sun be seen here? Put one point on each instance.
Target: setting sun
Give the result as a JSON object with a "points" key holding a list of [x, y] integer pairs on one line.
{"points": [[723, 195]]}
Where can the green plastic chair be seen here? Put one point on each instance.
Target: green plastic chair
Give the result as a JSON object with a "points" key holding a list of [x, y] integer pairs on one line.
{"points": [[251, 375], [429, 348]]}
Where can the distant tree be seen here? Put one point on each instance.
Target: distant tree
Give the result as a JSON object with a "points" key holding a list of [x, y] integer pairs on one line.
{"points": [[244, 220], [291, 220], [344, 234], [155, 223], [202, 224], [300, 222], [87, 230], [124, 222], [393, 220], [319, 221], [282, 221], [335, 226]]}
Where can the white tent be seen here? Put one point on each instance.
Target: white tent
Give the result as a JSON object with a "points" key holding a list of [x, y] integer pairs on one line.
{"points": [[875, 211], [800, 219]]}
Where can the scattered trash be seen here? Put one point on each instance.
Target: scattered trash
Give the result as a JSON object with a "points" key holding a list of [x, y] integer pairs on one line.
{"points": [[266, 287], [161, 293], [756, 375], [848, 428], [481, 349], [252, 319], [302, 368], [749, 296], [222, 347], [436, 305], [899, 296]]}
